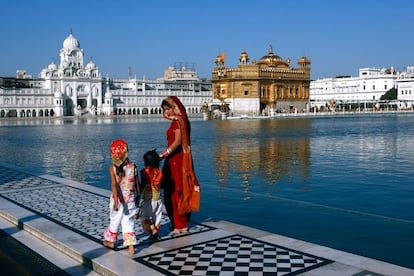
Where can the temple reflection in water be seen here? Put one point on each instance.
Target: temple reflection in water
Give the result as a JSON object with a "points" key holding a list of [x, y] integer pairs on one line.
{"points": [[269, 150]]}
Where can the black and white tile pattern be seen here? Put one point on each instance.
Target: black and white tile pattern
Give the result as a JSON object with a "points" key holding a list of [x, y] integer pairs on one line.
{"points": [[81, 211], [234, 255], [87, 213]]}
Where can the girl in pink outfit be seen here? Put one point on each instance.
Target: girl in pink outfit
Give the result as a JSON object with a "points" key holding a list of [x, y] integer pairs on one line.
{"points": [[124, 197]]}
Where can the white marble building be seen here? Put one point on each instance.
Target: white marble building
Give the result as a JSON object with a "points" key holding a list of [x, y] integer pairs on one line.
{"points": [[75, 88], [72, 89], [365, 89], [405, 87], [139, 96]]}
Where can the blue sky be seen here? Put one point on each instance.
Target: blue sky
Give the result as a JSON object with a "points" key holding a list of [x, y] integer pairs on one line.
{"points": [[338, 36]]}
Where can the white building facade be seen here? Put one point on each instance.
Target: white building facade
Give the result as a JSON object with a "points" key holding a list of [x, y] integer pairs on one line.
{"points": [[72, 89], [139, 96], [348, 92], [405, 88]]}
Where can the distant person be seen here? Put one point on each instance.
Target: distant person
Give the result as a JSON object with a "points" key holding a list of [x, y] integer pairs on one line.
{"points": [[151, 177], [181, 187], [124, 197]]}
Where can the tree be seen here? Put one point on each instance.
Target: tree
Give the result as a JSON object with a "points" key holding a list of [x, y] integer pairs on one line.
{"points": [[390, 95]]}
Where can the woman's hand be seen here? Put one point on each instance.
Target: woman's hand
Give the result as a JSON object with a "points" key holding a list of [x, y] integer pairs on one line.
{"points": [[174, 145], [165, 153]]}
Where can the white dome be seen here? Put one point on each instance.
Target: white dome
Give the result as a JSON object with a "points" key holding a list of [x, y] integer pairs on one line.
{"points": [[91, 65], [52, 66], [71, 43], [58, 94], [108, 95]]}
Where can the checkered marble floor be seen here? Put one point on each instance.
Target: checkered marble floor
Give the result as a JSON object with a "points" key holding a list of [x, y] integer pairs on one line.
{"points": [[83, 210], [233, 255]]}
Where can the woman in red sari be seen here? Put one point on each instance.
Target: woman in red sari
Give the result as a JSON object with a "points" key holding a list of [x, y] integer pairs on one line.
{"points": [[181, 188]]}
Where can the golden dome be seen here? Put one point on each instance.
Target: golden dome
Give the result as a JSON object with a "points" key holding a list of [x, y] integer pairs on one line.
{"points": [[272, 60]]}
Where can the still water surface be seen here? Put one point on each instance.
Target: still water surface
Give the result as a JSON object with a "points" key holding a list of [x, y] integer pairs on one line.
{"points": [[346, 182]]}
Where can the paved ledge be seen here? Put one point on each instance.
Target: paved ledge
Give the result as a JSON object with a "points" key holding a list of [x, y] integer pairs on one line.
{"points": [[63, 221]]}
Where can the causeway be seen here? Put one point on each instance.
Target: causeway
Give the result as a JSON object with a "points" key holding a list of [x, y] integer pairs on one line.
{"points": [[53, 226]]}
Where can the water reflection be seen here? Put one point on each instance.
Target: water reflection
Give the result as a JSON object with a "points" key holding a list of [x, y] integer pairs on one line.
{"points": [[344, 182], [261, 153]]}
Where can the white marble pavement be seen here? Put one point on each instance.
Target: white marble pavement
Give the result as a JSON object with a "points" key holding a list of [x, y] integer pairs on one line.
{"points": [[42, 212]]}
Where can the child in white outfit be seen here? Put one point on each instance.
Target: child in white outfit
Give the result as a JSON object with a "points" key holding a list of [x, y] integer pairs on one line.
{"points": [[124, 197]]}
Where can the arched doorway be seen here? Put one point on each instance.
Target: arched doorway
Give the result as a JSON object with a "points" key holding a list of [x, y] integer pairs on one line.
{"points": [[68, 107], [95, 105], [82, 103], [12, 113]]}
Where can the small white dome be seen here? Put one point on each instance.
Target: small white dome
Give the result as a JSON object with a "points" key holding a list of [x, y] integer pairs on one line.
{"points": [[58, 94], [108, 95], [91, 65], [52, 66]]}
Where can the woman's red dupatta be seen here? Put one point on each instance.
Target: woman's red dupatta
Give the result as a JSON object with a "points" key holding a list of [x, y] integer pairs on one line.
{"points": [[190, 200]]}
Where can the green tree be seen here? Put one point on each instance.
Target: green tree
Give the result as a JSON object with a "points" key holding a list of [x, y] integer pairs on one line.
{"points": [[390, 95]]}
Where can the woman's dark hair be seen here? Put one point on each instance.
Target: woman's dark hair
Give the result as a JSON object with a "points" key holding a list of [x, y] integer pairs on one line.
{"points": [[166, 103], [152, 158]]}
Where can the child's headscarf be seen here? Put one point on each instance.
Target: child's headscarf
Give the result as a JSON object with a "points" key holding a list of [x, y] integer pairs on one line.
{"points": [[119, 152]]}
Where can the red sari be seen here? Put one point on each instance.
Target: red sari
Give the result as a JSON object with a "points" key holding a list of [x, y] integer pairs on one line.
{"points": [[179, 180], [173, 182]]}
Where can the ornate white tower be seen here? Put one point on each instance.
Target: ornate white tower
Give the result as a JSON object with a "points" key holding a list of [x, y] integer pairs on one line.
{"points": [[80, 86], [58, 102], [108, 106], [71, 56]]}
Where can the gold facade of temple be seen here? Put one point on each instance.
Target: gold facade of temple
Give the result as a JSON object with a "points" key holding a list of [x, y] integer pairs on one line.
{"points": [[264, 87]]}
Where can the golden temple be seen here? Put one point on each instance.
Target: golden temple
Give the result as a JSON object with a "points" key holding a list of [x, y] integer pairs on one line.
{"points": [[263, 87]]}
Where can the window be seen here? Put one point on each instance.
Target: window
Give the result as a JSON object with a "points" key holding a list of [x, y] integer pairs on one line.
{"points": [[246, 92]]}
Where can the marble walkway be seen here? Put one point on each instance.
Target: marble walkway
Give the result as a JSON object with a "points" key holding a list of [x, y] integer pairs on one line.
{"points": [[61, 222]]}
